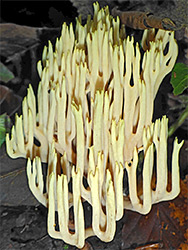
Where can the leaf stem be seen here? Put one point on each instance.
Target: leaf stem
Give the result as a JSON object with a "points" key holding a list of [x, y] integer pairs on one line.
{"points": [[179, 122]]}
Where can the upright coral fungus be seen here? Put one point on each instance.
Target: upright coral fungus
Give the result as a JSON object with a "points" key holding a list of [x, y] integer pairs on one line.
{"points": [[92, 116]]}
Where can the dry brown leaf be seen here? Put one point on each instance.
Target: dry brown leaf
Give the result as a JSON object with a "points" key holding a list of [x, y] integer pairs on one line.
{"points": [[21, 48], [9, 101], [16, 38], [165, 226]]}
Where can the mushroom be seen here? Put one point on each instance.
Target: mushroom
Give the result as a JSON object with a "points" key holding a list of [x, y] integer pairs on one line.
{"points": [[94, 115]]}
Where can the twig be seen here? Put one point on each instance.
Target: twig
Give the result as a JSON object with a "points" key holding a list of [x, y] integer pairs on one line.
{"points": [[179, 122]]}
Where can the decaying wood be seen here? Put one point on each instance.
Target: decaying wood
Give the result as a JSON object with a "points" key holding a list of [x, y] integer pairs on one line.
{"points": [[141, 20]]}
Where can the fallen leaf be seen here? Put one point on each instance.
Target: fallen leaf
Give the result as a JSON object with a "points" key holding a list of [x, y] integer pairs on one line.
{"points": [[166, 224], [179, 78], [13, 181], [5, 74], [5, 124], [180, 208], [21, 48], [9, 101], [16, 38], [184, 246]]}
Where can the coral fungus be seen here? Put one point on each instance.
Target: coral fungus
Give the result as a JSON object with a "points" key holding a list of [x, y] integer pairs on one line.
{"points": [[92, 117]]}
